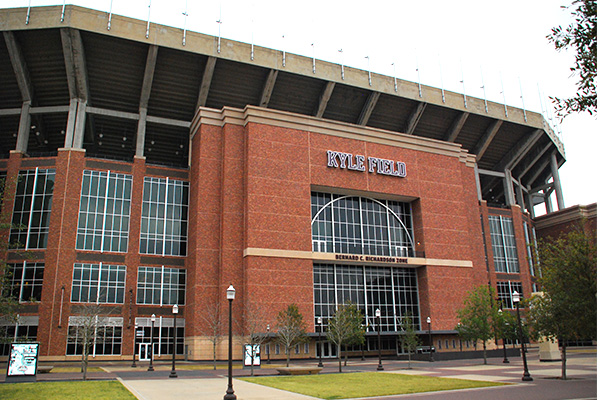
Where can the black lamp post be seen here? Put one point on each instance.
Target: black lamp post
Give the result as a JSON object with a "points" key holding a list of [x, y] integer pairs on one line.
{"points": [[362, 346], [505, 361], [319, 347], [134, 343], [378, 316], [516, 298], [152, 319], [173, 374], [459, 338], [268, 345], [229, 395], [430, 340]]}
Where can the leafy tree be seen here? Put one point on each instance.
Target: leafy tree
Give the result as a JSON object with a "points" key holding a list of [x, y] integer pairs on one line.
{"points": [[291, 329], [478, 317], [345, 328], [567, 310], [582, 35], [409, 338]]}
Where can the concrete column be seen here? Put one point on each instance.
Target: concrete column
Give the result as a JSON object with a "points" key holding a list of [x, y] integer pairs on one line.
{"points": [[509, 192], [530, 206], [520, 198], [141, 133], [547, 202], [478, 183], [24, 128], [79, 125], [557, 187], [71, 123]]}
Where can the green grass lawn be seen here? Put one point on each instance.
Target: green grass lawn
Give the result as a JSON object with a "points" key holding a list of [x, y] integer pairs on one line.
{"points": [[103, 390], [74, 369], [343, 386]]}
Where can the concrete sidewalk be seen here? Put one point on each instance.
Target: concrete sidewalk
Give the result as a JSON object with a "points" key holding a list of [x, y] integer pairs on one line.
{"points": [[209, 388], [581, 372]]}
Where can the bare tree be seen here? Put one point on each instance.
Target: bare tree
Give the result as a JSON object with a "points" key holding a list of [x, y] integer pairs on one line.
{"points": [[256, 320], [345, 327], [88, 328], [213, 326]]}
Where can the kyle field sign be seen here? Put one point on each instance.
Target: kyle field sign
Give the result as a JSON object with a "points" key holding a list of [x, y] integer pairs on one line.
{"points": [[337, 159]]}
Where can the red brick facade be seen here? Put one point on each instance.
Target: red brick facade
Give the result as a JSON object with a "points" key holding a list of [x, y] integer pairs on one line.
{"points": [[251, 177]]}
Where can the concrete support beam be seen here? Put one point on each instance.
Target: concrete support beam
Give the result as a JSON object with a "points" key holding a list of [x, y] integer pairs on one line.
{"points": [[533, 161], [540, 168], [268, 88], [324, 99], [547, 201], [144, 98], [556, 178], [70, 131], [520, 197], [414, 118], [76, 69], [518, 151], [368, 108], [486, 139], [456, 127], [19, 66], [209, 70]]}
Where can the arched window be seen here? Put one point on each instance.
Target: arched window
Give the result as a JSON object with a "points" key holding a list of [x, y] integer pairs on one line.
{"points": [[361, 225]]}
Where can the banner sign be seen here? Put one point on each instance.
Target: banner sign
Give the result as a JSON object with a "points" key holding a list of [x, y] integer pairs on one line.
{"points": [[23, 359], [379, 259], [251, 353], [337, 159]]}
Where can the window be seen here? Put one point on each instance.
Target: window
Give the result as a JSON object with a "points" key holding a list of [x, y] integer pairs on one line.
{"points": [[277, 348], [306, 348], [31, 213], [505, 291], [161, 286], [24, 330], [104, 211], [106, 335], [98, 283], [297, 349], [164, 217], [360, 225], [393, 290], [25, 280], [163, 334], [503, 244]]}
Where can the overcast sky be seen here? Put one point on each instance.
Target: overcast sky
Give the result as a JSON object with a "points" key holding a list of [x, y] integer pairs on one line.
{"points": [[500, 46]]}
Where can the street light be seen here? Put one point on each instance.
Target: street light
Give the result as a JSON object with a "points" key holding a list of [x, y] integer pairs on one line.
{"points": [[378, 315], [362, 346], [319, 348], [229, 395], [459, 338], [505, 361], [516, 298], [153, 320], [173, 374], [268, 345], [134, 343], [430, 340]]}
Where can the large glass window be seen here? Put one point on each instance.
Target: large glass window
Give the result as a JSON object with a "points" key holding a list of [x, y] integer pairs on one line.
{"points": [[25, 280], [161, 286], [505, 291], [105, 335], [98, 283], [504, 246], [164, 217], [24, 330], [104, 211], [31, 214], [360, 225], [393, 290], [163, 334]]}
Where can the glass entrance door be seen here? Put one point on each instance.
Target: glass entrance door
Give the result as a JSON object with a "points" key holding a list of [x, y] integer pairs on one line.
{"points": [[144, 352], [328, 349]]}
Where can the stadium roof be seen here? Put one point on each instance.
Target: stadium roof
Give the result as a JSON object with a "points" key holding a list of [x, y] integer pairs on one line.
{"points": [[126, 70]]}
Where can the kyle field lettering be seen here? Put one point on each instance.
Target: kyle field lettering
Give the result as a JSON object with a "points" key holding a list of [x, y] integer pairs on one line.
{"points": [[337, 159]]}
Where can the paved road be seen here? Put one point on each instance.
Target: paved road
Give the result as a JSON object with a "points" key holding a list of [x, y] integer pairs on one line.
{"points": [[209, 384]]}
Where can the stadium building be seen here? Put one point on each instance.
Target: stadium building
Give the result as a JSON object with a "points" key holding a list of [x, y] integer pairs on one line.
{"points": [[146, 167]]}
